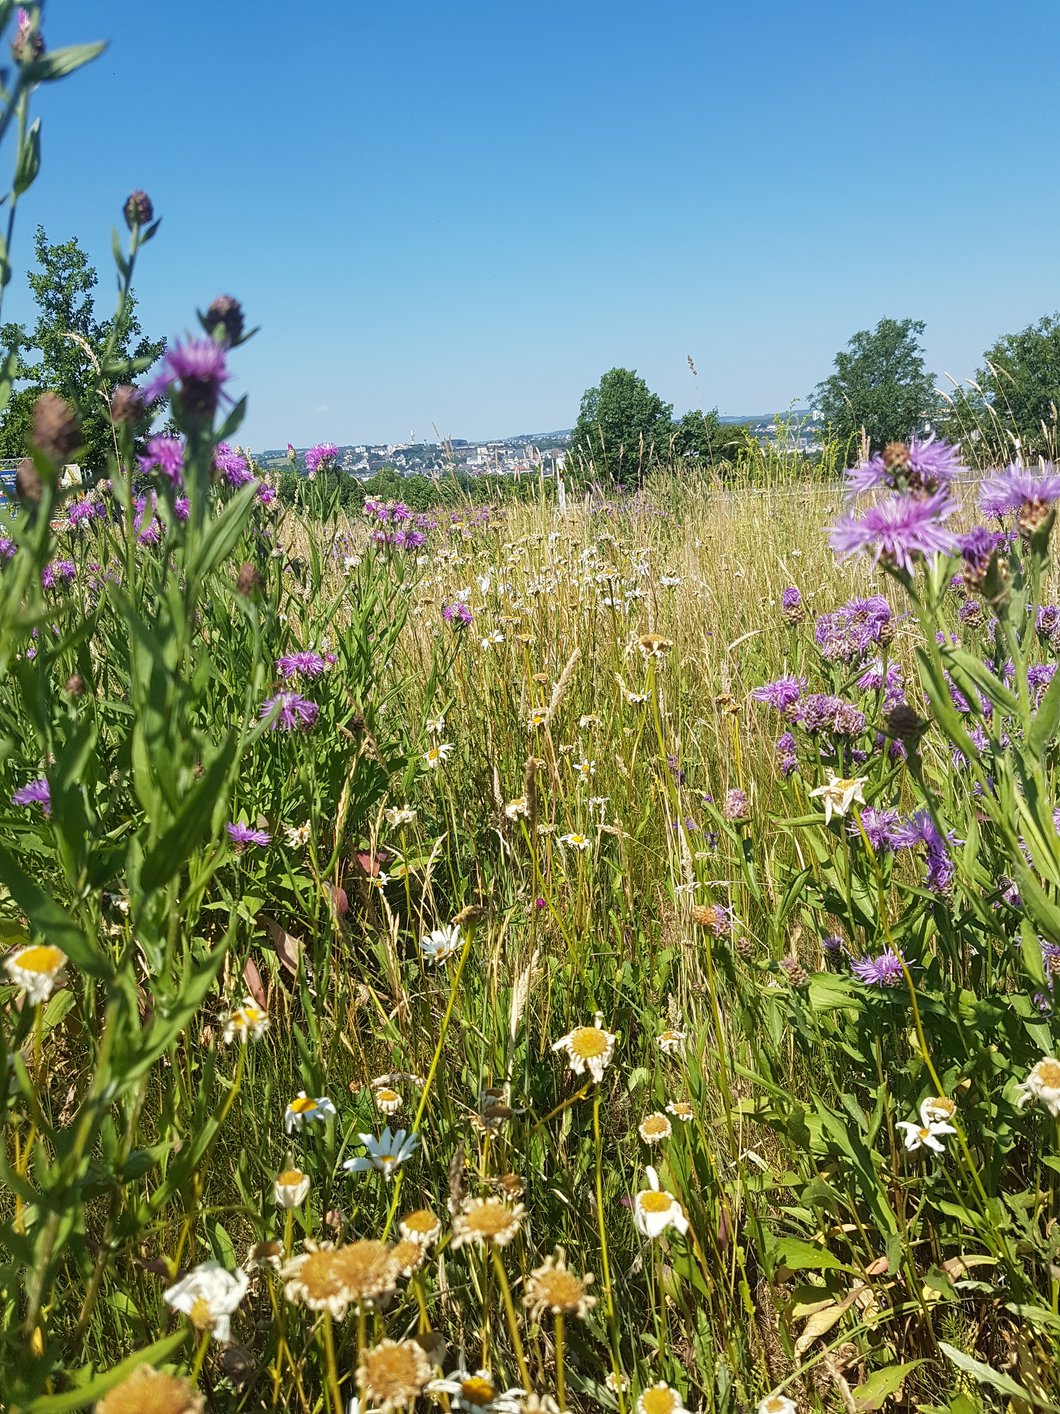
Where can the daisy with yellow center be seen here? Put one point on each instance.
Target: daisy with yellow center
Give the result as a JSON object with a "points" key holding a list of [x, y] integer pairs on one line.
{"points": [[38, 970], [682, 1110], [777, 1404], [393, 1374], [589, 1048], [436, 755], [553, 1287], [295, 836], [208, 1296], [660, 1399], [304, 1109], [653, 645], [332, 1279], [538, 717], [387, 1101], [150, 1391], [248, 1022], [1043, 1085], [478, 1392], [516, 809], [264, 1254], [489, 1222], [291, 1188], [420, 1226], [409, 1255], [839, 794], [654, 1210], [672, 1043], [654, 1128], [937, 1109], [575, 839]]}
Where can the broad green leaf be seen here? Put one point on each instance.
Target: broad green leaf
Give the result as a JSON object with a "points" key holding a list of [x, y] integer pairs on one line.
{"points": [[987, 1375], [28, 164], [881, 1384], [60, 62], [89, 1393], [800, 1256]]}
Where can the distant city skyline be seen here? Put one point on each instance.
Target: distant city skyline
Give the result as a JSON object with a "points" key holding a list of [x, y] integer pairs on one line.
{"points": [[454, 219]]}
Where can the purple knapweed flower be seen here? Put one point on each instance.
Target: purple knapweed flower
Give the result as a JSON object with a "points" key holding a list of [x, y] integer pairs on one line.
{"points": [[832, 943], [459, 615], [242, 835], [322, 457], [182, 508], [930, 466], [167, 454], [850, 631], [232, 465], [7, 547], [305, 664], [877, 825], [266, 494], [146, 527], [882, 971], [823, 712], [786, 750], [920, 829], [898, 531], [1016, 490], [35, 793], [198, 367], [976, 547], [791, 605], [58, 572], [735, 807], [783, 693], [295, 713]]}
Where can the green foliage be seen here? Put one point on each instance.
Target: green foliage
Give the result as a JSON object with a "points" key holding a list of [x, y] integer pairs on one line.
{"points": [[623, 430], [704, 439], [880, 384], [67, 348]]}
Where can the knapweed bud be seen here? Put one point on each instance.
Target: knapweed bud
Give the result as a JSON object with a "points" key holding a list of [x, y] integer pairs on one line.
{"points": [[225, 313], [885, 634], [1032, 516], [735, 808], [791, 605], [248, 579], [54, 428], [126, 406], [138, 209], [75, 685], [896, 458], [27, 481], [902, 724], [796, 973], [27, 44]]}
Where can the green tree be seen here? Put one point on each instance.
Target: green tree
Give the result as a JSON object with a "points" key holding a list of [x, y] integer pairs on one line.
{"points": [[623, 429], [65, 349], [880, 384], [1013, 402], [703, 438]]}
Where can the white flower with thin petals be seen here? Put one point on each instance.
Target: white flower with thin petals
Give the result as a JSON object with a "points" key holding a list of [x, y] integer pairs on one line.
{"points": [[435, 756], [248, 1022], [434, 726], [441, 944], [478, 1393], [295, 836], [655, 1210], [660, 1398], [839, 794], [1043, 1085], [589, 1048], [385, 1154], [777, 1404], [925, 1136], [304, 1109], [937, 1109], [38, 970], [291, 1187], [576, 840], [208, 1296]]}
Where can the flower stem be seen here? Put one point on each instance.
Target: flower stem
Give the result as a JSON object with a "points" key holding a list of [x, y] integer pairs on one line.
{"points": [[513, 1324]]}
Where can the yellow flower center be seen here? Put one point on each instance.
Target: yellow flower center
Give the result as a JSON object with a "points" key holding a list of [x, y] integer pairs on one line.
{"points": [[303, 1105], [476, 1390], [387, 1097], [422, 1220], [290, 1178], [773, 1405], [654, 1124], [653, 1202], [42, 958], [588, 1042], [659, 1400], [1048, 1072], [682, 1109], [924, 1133], [200, 1314], [434, 754], [490, 1217]]}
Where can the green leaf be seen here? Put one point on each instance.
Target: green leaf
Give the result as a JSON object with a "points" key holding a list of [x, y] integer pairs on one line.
{"points": [[49, 919], [223, 533], [828, 992], [987, 1375], [881, 1384], [28, 164], [60, 62], [90, 1393], [800, 1256], [185, 834]]}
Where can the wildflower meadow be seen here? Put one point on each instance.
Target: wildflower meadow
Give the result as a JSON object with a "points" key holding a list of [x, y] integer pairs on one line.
{"points": [[519, 958]]}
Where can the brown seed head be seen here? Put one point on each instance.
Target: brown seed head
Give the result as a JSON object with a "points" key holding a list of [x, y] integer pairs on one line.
{"points": [[127, 406], [1032, 516], [28, 485], [75, 685], [901, 723], [149, 1391], [248, 579], [54, 429], [896, 457]]}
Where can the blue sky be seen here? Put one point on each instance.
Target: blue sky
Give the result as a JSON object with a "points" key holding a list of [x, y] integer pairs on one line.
{"points": [[454, 214]]}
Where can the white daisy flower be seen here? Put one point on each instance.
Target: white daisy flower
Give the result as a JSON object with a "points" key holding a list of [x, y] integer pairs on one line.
{"points": [[441, 944], [589, 1048], [436, 755], [208, 1296], [291, 1187], [925, 1136], [654, 1210], [38, 970], [304, 1109], [1043, 1085], [839, 794], [385, 1153]]}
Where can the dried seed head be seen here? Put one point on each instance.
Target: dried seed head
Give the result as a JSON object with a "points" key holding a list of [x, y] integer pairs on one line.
{"points": [[127, 406], [28, 485], [901, 723], [54, 429], [75, 685], [138, 209], [149, 1391], [896, 457], [248, 579], [796, 973]]}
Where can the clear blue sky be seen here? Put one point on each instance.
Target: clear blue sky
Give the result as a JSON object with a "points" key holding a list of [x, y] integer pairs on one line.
{"points": [[461, 213]]}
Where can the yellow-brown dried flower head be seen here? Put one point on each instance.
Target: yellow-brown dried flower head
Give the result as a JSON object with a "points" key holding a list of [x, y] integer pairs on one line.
{"points": [[393, 1374], [334, 1278], [150, 1391], [28, 484], [489, 1222], [54, 429], [896, 457], [554, 1287], [248, 579]]}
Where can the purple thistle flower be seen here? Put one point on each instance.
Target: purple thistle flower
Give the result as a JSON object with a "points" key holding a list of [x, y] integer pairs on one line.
{"points": [[878, 825], [850, 631], [306, 664], [242, 835], [782, 694], [181, 507], [1047, 621], [932, 466], [295, 713], [882, 971], [791, 605], [322, 457], [735, 808], [823, 712], [35, 793], [832, 943], [59, 571], [920, 829], [7, 547], [459, 615], [266, 494], [1039, 676], [787, 752], [232, 465], [976, 547], [146, 527], [898, 530], [198, 366], [1018, 490], [167, 454], [81, 513]]}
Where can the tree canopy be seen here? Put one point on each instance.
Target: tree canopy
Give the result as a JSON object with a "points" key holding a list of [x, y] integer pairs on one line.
{"points": [[880, 384], [66, 343], [623, 429]]}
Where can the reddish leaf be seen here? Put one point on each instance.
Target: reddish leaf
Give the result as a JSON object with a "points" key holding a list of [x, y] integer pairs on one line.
{"points": [[288, 947], [255, 986]]}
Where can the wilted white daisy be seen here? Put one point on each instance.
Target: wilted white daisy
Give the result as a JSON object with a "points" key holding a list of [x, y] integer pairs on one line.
{"points": [[575, 839], [38, 970], [291, 1187], [583, 770], [1043, 1085], [516, 808], [304, 1109], [151, 1391], [653, 645], [681, 1109], [777, 1404], [441, 944], [589, 1048], [554, 1287], [246, 1023], [421, 1226], [537, 718], [398, 815], [478, 1392], [387, 1101], [839, 794], [435, 725], [654, 1128], [654, 1210], [487, 1222], [325, 1278], [385, 1153], [393, 1374], [937, 1109], [925, 1136], [208, 1295], [660, 1399], [672, 1043], [295, 836], [436, 755]]}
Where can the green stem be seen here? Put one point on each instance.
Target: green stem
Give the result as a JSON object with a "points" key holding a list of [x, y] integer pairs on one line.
{"points": [[513, 1323]]}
